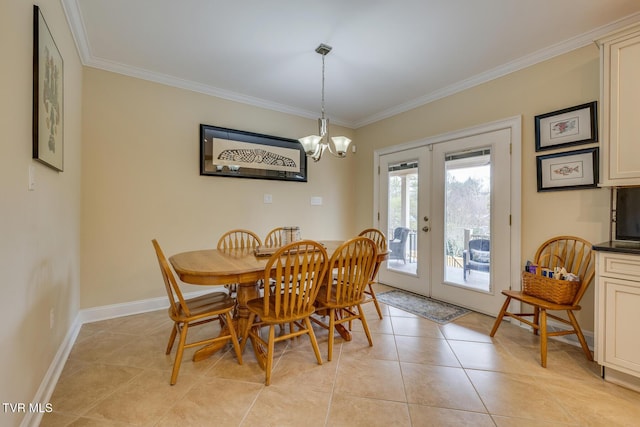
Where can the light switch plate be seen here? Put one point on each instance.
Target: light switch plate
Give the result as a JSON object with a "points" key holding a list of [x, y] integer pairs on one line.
{"points": [[316, 201]]}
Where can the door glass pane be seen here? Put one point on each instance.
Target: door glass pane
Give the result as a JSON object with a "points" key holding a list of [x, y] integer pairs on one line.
{"points": [[402, 217], [468, 219]]}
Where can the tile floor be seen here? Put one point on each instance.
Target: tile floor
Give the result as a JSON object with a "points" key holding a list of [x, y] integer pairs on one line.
{"points": [[417, 373]]}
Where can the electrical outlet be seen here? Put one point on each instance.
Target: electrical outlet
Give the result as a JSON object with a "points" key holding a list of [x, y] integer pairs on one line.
{"points": [[268, 198]]}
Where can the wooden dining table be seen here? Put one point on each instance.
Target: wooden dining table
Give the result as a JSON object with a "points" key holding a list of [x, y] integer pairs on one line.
{"points": [[213, 267]]}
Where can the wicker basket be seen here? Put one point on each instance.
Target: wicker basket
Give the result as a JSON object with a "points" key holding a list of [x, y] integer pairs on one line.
{"points": [[553, 290]]}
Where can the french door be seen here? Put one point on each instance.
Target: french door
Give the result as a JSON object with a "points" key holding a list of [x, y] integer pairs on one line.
{"points": [[404, 218], [458, 196]]}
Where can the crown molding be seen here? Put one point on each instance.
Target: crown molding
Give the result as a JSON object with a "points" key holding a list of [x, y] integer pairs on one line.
{"points": [[508, 68], [76, 23]]}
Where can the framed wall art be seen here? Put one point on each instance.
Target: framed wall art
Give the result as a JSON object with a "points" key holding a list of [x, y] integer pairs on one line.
{"points": [[571, 170], [234, 153], [48, 99], [571, 126]]}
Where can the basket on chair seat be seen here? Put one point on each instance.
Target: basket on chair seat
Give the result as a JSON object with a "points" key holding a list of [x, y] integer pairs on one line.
{"points": [[548, 289]]}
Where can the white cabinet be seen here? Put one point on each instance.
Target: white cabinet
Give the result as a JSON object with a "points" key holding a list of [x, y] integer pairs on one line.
{"points": [[620, 108], [618, 317]]}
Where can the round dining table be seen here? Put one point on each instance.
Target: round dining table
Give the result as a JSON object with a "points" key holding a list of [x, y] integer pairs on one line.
{"points": [[213, 267]]}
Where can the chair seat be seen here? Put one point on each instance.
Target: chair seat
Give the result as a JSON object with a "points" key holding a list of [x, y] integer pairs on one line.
{"points": [[331, 301], [535, 301], [257, 306], [205, 306]]}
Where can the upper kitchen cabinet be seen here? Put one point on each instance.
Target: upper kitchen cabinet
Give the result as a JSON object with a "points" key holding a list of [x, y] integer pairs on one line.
{"points": [[620, 107]]}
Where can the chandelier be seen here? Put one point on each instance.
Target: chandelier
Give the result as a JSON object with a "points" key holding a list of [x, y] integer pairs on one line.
{"points": [[315, 145]]}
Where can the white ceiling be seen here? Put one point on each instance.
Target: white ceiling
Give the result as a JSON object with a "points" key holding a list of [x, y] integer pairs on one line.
{"points": [[388, 56]]}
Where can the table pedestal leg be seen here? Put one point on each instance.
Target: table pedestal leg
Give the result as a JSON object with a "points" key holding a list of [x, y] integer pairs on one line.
{"points": [[246, 291]]}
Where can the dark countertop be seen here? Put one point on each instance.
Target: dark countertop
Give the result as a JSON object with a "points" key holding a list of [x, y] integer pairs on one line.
{"points": [[621, 246]]}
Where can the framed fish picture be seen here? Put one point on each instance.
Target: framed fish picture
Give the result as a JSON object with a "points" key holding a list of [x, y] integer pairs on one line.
{"points": [[572, 126], [572, 170], [239, 154]]}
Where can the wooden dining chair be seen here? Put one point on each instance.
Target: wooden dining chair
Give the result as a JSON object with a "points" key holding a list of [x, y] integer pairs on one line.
{"points": [[352, 264], [380, 240], [273, 239], [298, 270], [574, 254], [187, 313], [238, 239]]}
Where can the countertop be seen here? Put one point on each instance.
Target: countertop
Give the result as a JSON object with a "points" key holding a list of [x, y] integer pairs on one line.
{"points": [[621, 246]]}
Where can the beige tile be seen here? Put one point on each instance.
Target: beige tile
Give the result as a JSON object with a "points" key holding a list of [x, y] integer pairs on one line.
{"points": [[502, 421], [463, 332], [384, 347], [54, 419], [280, 405], [415, 327], [594, 402], [118, 375], [425, 350], [214, 402], [79, 390], [396, 312], [142, 399], [487, 356], [440, 386], [369, 378], [90, 422], [227, 367], [352, 411], [299, 370], [369, 309], [516, 395], [377, 325], [429, 416]]}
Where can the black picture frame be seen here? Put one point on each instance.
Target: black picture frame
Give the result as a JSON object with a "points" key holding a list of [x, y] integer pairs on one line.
{"points": [[568, 127], [48, 96], [239, 154], [571, 170]]}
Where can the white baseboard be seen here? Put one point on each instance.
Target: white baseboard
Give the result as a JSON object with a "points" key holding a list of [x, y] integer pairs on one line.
{"points": [[48, 384], [50, 379]]}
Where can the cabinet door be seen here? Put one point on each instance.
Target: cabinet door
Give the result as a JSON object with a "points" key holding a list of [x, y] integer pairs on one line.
{"points": [[620, 127], [622, 317]]}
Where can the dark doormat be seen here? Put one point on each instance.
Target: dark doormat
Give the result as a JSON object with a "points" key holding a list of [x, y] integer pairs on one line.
{"points": [[438, 311]]}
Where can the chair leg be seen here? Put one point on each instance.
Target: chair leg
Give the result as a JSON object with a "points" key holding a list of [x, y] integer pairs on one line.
{"points": [[498, 321], [578, 331], [543, 337], [332, 330], [245, 333], [314, 341], [536, 319], [178, 361], [234, 336], [375, 300], [270, 350], [172, 338], [364, 324]]}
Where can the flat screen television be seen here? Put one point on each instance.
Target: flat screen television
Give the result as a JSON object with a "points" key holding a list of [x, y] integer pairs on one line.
{"points": [[627, 215]]}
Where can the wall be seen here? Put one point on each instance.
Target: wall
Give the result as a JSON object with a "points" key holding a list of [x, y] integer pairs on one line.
{"points": [[40, 243], [141, 181], [561, 82]]}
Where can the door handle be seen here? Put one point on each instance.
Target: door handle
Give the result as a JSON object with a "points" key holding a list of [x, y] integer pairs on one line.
{"points": [[425, 228]]}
